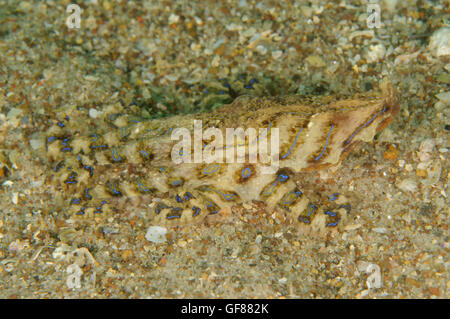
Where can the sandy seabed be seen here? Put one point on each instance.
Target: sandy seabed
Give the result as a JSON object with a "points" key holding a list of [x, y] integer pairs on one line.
{"points": [[170, 57]]}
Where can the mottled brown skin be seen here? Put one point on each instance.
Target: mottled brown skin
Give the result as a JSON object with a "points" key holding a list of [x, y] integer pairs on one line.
{"points": [[132, 160]]}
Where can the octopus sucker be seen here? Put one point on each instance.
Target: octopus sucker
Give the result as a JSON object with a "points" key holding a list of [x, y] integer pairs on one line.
{"points": [[118, 163]]}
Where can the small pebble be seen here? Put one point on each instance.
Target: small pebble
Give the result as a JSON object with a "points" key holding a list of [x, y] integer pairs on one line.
{"points": [[94, 113], [376, 52], [156, 234], [15, 198], [407, 185], [380, 230], [444, 97], [276, 54], [261, 49], [37, 143], [440, 42], [173, 18], [391, 153], [315, 61], [182, 243]]}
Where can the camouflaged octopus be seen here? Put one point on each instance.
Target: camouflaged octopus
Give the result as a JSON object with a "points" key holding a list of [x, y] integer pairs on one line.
{"points": [[117, 162]]}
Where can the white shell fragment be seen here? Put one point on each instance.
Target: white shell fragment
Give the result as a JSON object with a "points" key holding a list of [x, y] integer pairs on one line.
{"points": [[156, 234]]}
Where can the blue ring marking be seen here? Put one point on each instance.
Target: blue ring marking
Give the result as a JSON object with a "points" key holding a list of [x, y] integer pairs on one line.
{"points": [[188, 196], [175, 216], [221, 92], [144, 153], [72, 176], [70, 182], [86, 193], [75, 201], [313, 207], [209, 203], [334, 196], [252, 80], [96, 137], [298, 193], [66, 149], [67, 117], [271, 187], [91, 170], [99, 146], [226, 196], [114, 190], [79, 158], [162, 169], [248, 86], [114, 151], [64, 142], [333, 224], [295, 141], [246, 175], [329, 213], [176, 183], [81, 212], [348, 207], [326, 143], [58, 166], [142, 187], [134, 121], [103, 203], [180, 152], [99, 208], [178, 198], [159, 207], [60, 124], [307, 221], [373, 117], [227, 85], [51, 139], [196, 211], [171, 129], [265, 133], [210, 172]]}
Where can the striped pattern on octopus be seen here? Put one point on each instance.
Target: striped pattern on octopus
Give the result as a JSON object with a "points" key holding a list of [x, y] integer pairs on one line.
{"points": [[117, 161]]}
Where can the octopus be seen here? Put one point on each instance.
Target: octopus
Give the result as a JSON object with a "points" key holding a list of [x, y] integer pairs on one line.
{"points": [[111, 160]]}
